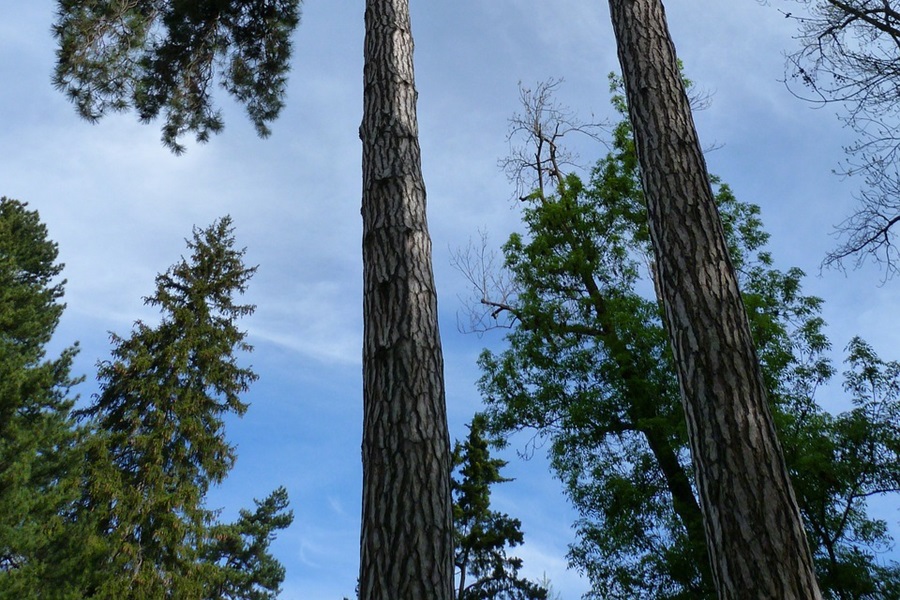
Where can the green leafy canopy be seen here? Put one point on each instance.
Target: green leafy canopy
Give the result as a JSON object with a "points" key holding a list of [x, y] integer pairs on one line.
{"points": [[588, 366]]}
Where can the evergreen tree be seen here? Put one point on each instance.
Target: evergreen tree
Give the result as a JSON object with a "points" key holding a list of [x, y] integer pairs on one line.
{"points": [[247, 571], [589, 367], [38, 440], [407, 531], [754, 530], [483, 569], [158, 442], [161, 57]]}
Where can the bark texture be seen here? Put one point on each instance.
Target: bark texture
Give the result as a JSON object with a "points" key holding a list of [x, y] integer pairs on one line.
{"points": [[758, 548], [406, 542]]}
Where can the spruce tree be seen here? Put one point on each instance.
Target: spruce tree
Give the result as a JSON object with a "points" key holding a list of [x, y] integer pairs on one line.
{"points": [[482, 535], [159, 443], [245, 569]]}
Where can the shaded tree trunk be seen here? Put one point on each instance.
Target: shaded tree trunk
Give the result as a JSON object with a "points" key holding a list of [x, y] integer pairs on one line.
{"points": [[755, 536], [406, 542]]}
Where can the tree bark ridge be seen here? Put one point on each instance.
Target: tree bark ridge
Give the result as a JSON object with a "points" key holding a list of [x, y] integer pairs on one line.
{"points": [[755, 536], [406, 549]]}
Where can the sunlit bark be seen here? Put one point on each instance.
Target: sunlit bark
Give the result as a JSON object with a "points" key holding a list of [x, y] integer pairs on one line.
{"points": [[406, 544], [754, 532]]}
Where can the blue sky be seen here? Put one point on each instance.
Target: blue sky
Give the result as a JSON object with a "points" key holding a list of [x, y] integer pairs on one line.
{"points": [[120, 206]]}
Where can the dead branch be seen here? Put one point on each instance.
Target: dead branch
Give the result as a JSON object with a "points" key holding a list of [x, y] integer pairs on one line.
{"points": [[492, 291], [537, 159]]}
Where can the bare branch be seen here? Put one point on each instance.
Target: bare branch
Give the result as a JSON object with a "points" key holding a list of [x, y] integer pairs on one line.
{"points": [[537, 159], [868, 233], [850, 55], [489, 305]]}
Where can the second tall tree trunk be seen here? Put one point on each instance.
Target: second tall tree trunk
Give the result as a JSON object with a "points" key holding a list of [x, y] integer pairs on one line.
{"points": [[406, 543], [758, 548]]}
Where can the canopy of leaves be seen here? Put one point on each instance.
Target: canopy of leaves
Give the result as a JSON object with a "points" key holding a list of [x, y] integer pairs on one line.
{"points": [[165, 56], [589, 368]]}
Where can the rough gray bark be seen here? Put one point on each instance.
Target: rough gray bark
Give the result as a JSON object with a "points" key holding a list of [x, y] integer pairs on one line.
{"points": [[406, 542], [754, 531]]}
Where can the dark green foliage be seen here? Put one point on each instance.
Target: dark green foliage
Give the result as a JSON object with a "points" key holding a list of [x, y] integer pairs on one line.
{"points": [[116, 509], [38, 476], [164, 56], [589, 368], [158, 443], [241, 552], [482, 535]]}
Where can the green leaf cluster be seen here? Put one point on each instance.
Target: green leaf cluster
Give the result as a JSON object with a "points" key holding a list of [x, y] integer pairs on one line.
{"points": [[165, 56], [588, 366]]}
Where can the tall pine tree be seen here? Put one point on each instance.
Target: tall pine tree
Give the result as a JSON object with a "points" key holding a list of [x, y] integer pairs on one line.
{"points": [[160, 59], [407, 534], [751, 519]]}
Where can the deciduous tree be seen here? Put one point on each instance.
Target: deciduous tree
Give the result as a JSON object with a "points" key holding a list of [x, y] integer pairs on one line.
{"points": [[601, 386], [850, 56]]}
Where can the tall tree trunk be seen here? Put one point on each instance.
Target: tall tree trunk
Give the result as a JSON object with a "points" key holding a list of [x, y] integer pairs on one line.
{"points": [[754, 531], [406, 542]]}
